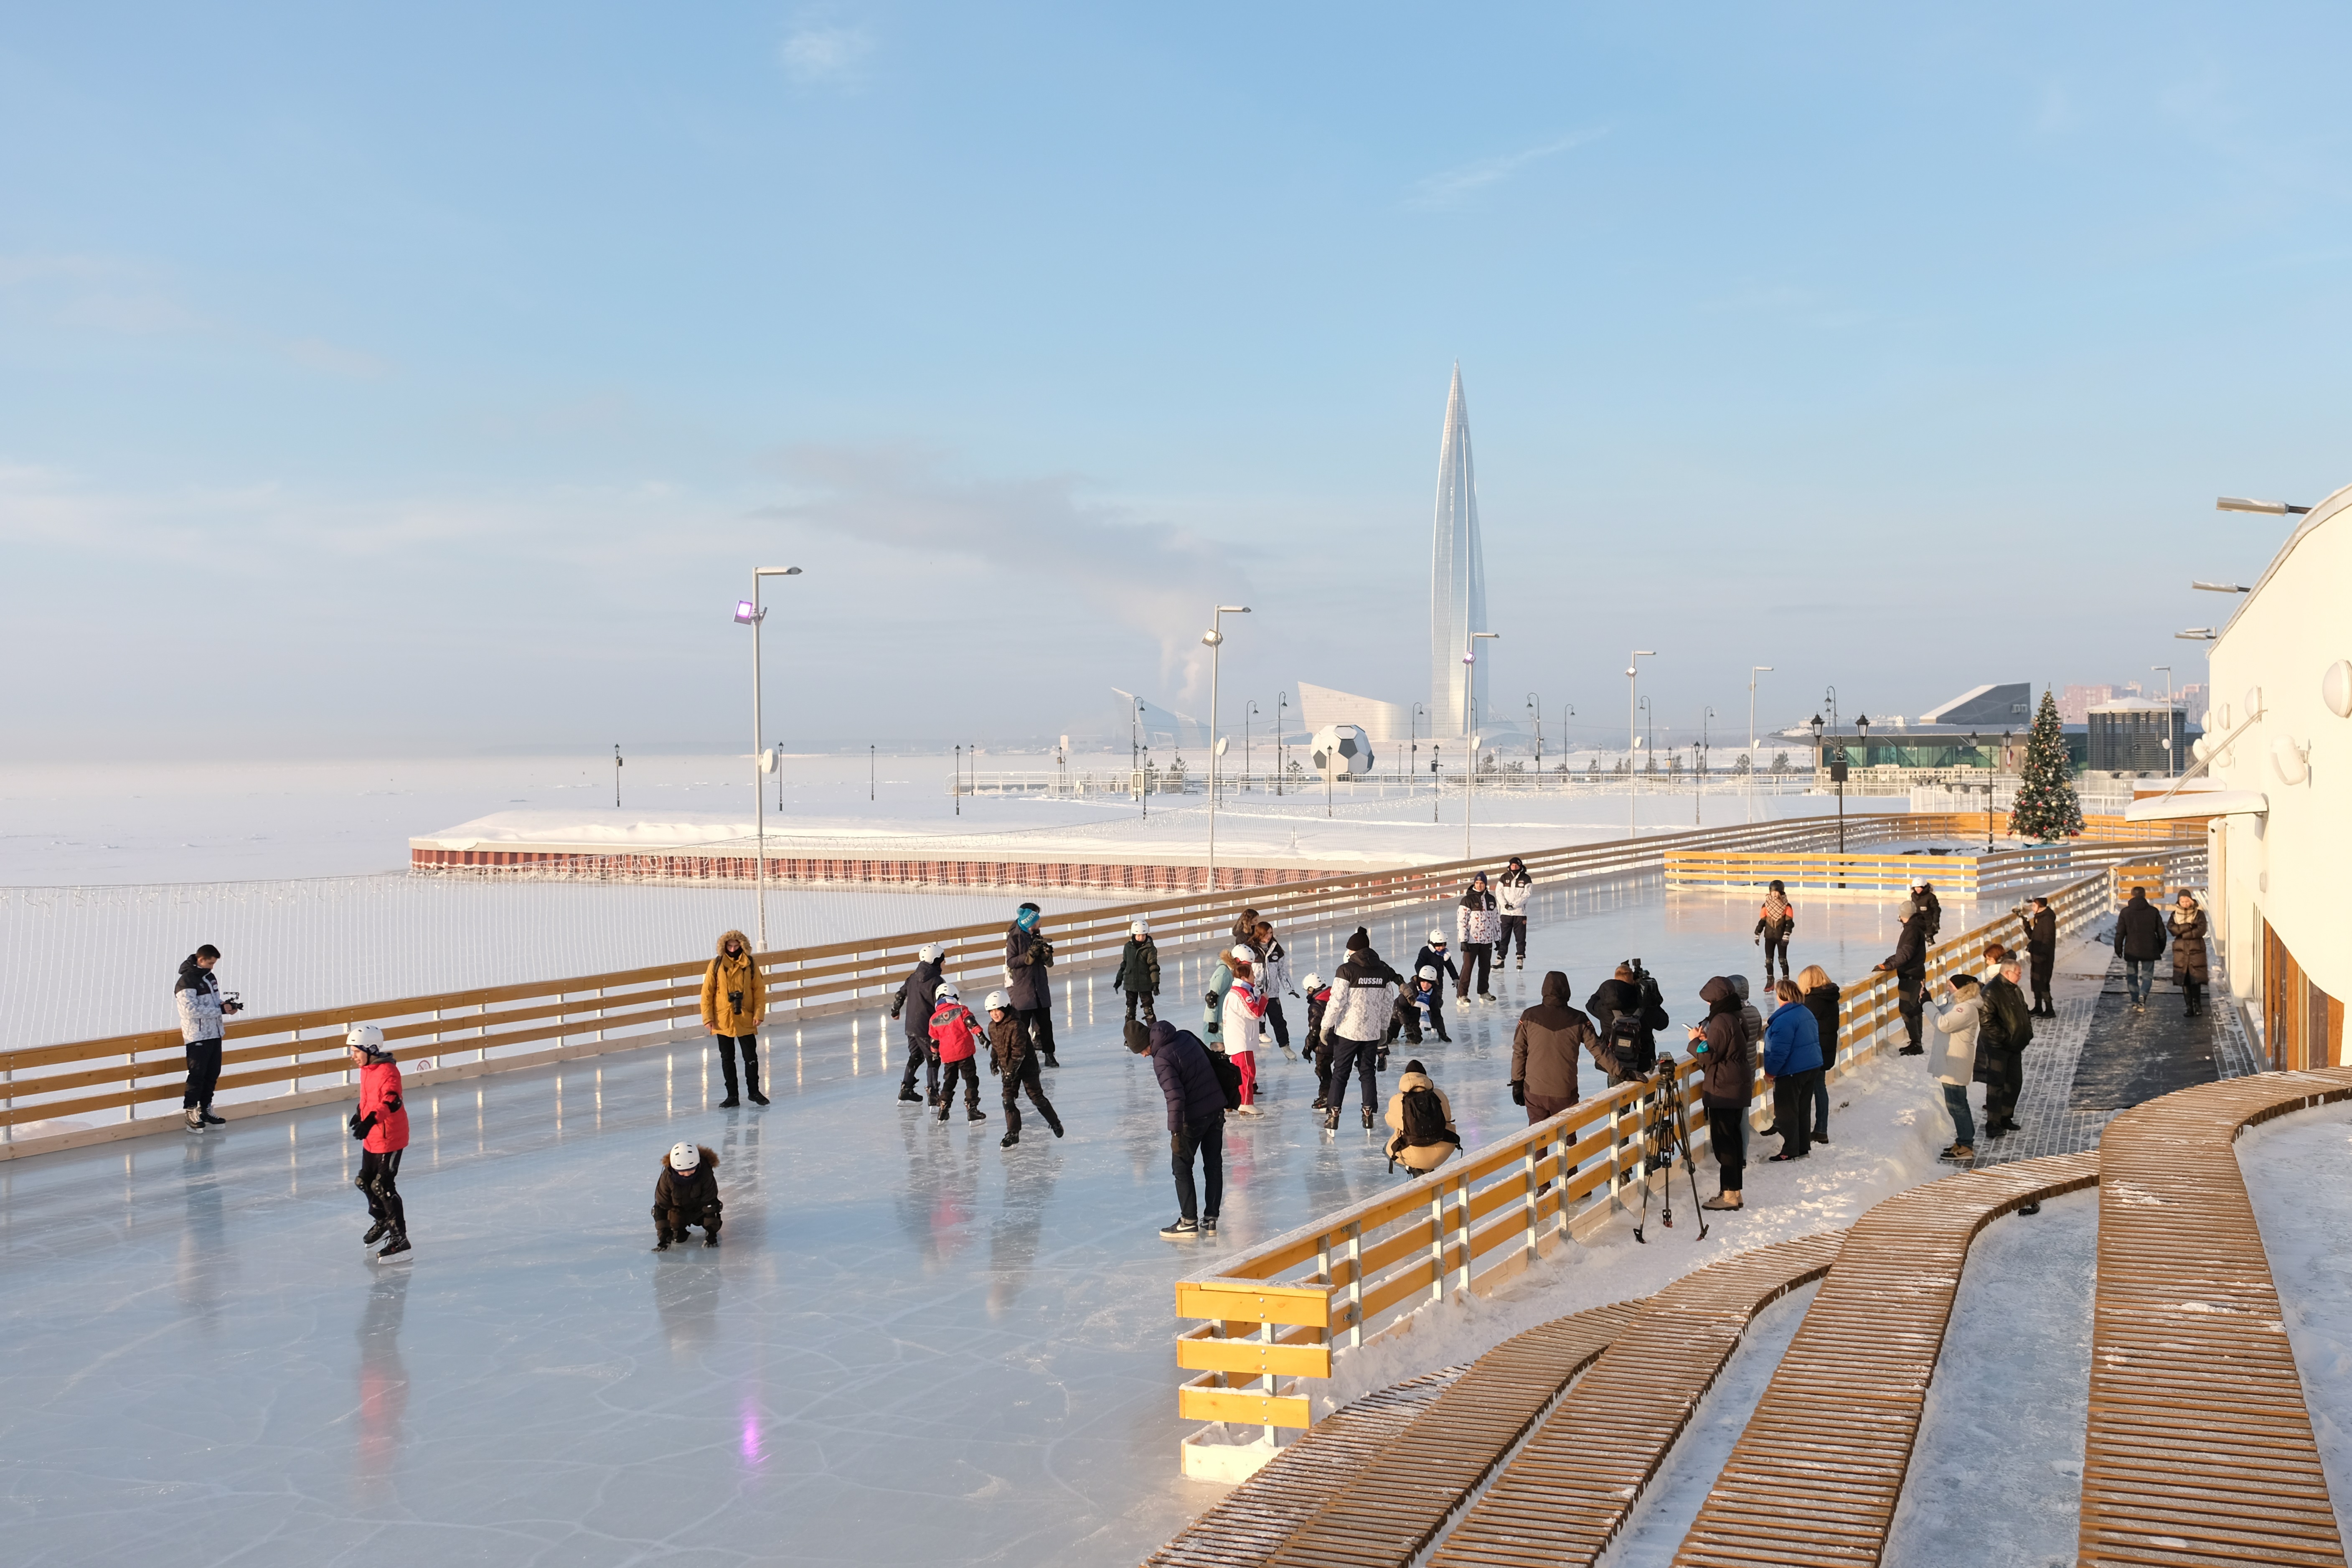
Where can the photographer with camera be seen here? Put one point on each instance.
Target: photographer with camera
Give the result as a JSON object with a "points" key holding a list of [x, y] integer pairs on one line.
{"points": [[1627, 1010], [201, 1005], [1721, 1047]]}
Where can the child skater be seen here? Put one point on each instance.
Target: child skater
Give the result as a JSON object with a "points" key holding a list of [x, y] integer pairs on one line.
{"points": [[382, 1124], [956, 1033], [686, 1194]]}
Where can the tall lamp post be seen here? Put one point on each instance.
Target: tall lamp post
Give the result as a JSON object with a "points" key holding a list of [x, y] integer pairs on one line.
{"points": [[748, 612], [1215, 639], [1633, 724]]}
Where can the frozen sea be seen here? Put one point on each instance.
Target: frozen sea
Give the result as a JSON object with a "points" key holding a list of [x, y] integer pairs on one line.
{"points": [[911, 1346]]}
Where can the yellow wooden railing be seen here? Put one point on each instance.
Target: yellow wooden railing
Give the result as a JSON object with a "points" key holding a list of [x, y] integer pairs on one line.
{"points": [[1256, 1331]]}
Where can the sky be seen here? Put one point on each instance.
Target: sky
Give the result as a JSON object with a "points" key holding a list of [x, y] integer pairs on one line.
{"points": [[430, 382]]}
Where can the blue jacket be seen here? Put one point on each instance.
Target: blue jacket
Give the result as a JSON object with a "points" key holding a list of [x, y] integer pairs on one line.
{"points": [[1792, 1041], [1187, 1080]]}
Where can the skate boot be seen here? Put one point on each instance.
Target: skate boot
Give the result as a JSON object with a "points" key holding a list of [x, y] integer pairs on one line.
{"points": [[375, 1233], [396, 1246]]}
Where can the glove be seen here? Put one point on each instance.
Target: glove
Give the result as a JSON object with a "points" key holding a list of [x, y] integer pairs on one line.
{"points": [[1518, 1092]]}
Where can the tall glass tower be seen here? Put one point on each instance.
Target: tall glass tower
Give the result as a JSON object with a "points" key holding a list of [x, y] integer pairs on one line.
{"points": [[1457, 580]]}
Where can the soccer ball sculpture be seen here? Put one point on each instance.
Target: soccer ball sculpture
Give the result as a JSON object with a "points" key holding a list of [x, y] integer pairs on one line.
{"points": [[1341, 751]]}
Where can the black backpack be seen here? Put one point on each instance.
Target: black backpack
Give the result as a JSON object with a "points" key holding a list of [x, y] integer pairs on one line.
{"points": [[1424, 1123]]}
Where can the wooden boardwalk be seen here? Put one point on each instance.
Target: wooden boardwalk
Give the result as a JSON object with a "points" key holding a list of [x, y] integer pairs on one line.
{"points": [[2200, 1448], [1813, 1479]]}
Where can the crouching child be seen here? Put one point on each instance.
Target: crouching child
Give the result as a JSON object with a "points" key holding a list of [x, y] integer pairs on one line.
{"points": [[685, 1195]]}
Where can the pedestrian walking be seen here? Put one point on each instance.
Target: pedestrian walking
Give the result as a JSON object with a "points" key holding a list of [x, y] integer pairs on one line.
{"points": [[1422, 1119], [2187, 926], [1909, 965], [956, 1035], [686, 1194], [1821, 997], [913, 1001], [1955, 1065], [734, 1002], [197, 998], [1775, 923], [380, 1124], [1196, 1128], [1513, 889], [1363, 993], [1477, 922], [1727, 1085], [1544, 1050], [1027, 956], [2001, 1039], [2041, 925], [1793, 1069], [1244, 1022], [2139, 942], [1011, 1060], [1274, 981], [1138, 974]]}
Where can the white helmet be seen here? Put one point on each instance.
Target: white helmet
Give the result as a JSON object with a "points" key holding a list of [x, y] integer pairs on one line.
{"points": [[998, 999], [366, 1037], [1314, 981], [1436, 938], [684, 1157], [1428, 974], [948, 992], [930, 952]]}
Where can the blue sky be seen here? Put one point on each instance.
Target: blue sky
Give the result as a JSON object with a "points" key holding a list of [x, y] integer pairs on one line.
{"points": [[430, 382]]}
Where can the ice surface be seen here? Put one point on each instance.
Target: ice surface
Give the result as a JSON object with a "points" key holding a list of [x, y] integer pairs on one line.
{"points": [[912, 1346], [2299, 1172]]}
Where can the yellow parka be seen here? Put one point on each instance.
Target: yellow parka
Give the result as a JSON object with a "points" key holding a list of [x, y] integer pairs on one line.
{"points": [[734, 993]]}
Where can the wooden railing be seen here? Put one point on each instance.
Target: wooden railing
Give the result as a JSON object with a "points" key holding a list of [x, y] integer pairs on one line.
{"points": [[461, 1034], [1262, 1326]]}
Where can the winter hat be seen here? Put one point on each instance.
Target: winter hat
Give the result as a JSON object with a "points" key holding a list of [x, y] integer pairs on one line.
{"points": [[1415, 1066], [684, 1157], [1163, 1035], [1360, 942]]}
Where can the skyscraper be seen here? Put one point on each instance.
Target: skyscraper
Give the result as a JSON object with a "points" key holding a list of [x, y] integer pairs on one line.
{"points": [[1457, 579]]}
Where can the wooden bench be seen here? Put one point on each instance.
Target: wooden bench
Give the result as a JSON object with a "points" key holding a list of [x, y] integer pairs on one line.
{"points": [[1814, 1477], [2200, 1448]]}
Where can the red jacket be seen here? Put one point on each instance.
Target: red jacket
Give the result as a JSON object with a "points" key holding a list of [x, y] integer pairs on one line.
{"points": [[955, 1032], [380, 1098]]}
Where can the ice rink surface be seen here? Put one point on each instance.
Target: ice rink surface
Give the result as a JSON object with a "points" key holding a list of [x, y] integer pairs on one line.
{"points": [[911, 1346]]}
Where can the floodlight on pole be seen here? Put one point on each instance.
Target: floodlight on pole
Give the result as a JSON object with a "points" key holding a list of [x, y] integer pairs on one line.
{"points": [[1633, 724], [1214, 637], [748, 612]]}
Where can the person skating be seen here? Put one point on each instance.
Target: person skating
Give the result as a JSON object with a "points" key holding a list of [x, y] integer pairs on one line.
{"points": [[1477, 922], [380, 1124], [1138, 974], [1318, 1051], [1274, 982], [1513, 888], [734, 1002], [1363, 993], [1721, 1047], [1909, 965], [1775, 923], [2139, 942], [686, 1194], [1027, 956], [2007, 1030], [197, 998], [1422, 1119], [1544, 1050], [2042, 946], [2186, 924], [955, 1033], [915, 998], [1196, 1126], [1244, 1022], [1793, 1063], [1011, 1060], [1627, 1013], [1822, 998], [1955, 1065]]}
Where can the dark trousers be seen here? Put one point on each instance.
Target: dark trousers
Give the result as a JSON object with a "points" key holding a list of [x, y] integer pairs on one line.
{"points": [[378, 1173], [1793, 1094], [1515, 927], [204, 1073], [1474, 956], [1277, 1023], [1907, 1003], [2000, 1094], [1209, 1143], [1142, 999], [965, 1070], [1776, 944], [2042, 964], [1021, 1079], [1727, 1129], [1351, 1055], [1037, 1023], [750, 1045], [919, 1053]]}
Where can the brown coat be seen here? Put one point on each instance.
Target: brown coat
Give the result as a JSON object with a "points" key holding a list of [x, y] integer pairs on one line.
{"points": [[1548, 1042], [2188, 944], [725, 977]]}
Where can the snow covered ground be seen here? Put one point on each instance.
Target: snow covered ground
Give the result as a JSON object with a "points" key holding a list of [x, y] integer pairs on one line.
{"points": [[2299, 1172], [913, 1346]]}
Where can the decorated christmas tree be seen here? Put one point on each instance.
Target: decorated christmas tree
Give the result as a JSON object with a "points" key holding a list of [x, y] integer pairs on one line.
{"points": [[2046, 808]]}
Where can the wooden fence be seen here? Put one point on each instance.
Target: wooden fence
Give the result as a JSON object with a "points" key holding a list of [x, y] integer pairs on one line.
{"points": [[462, 1034], [1262, 1325]]}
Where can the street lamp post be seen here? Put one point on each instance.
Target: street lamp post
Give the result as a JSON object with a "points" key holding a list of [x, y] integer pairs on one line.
{"points": [[748, 612], [1215, 639], [1633, 713]]}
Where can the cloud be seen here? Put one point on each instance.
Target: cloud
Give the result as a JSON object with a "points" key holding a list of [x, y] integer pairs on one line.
{"points": [[825, 54], [1449, 187]]}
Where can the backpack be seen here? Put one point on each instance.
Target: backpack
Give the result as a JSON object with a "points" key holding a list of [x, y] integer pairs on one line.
{"points": [[1229, 1078], [1424, 1123]]}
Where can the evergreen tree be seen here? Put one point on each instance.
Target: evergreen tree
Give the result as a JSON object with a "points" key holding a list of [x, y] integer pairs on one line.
{"points": [[2046, 808]]}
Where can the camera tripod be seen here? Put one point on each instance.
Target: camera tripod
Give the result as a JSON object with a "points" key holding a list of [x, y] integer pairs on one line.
{"points": [[1661, 1139]]}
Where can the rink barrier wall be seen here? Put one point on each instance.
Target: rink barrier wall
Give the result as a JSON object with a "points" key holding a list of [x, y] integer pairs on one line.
{"points": [[1251, 1334], [513, 1028]]}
